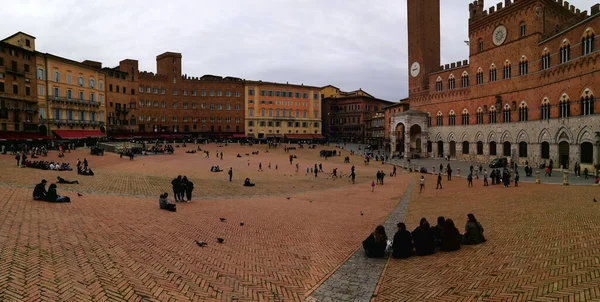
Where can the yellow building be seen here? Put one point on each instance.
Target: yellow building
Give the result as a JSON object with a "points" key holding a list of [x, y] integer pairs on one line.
{"points": [[71, 97], [331, 91], [282, 111]]}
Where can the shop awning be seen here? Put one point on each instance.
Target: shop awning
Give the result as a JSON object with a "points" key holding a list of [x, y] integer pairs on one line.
{"points": [[318, 136], [274, 135], [78, 134], [299, 136], [239, 135], [21, 136]]}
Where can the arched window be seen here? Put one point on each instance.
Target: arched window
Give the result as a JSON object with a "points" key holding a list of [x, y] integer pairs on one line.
{"points": [[587, 153], [493, 148], [522, 149], [565, 52], [440, 119], [465, 117], [523, 112], [545, 109], [480, 44], [439, 85], [428, 119], [545, 59], [523, 66], [92, 83], [262, 112], [492, 114], [451, 82], [479, 116], [479, 77], [506, 114], [479, 148], [465, 79], [507, 70], [523, 29], [465, 147], [564, 106], [451, 118], [506, 149], [80, 81], [587, 42], [587, 103], [493, 73]]}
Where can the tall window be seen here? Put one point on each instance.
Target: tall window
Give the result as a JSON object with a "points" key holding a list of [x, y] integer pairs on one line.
{"points": [[451, 118], [565, 106], [507, 70], [493, 73], [492, 114], [480, 45], [587, 42], [479, 77], [545, 109], [428, 119], [546, 60], [465, 80], [479, 116], [56, 76], [80, 81], [523, 29], [440, 119], [439, 84], [523, 112], [523, 66], [451, 82], [506, 114], [587, 104], [465, 117], [565, 52]]}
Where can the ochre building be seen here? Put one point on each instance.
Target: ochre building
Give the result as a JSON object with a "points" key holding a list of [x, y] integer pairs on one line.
{"points": [[282, 111], [526, 92]]}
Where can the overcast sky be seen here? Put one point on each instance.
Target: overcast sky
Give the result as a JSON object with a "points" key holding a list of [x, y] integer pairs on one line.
{"points": [[350, 44]]}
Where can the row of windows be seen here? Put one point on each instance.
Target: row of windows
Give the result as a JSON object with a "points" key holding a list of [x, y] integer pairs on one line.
{"points": [[186, 105], [564, 111], [279, 93], [283, 113], [15, 65], [284, 103], [69, 94], [121, 89], [186, 92], [187, 119], [15, 53], [70, 115], [15, 89], [564, 56], [41, 75], [278, 124]]}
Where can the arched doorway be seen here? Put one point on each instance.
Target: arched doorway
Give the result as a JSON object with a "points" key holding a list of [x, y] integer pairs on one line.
{"points": [[465, 147], [493, 148], [429, 147], [418, 145], [587, 153], [506, 149], [479, 148], [563, 154], [440, 148], [415, 136], [545, 150], [522, 149], [452, 149], [400, 138], [43, 130]]}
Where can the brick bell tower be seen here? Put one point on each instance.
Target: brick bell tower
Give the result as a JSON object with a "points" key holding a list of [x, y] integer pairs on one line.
{"points": [[423, 43]]}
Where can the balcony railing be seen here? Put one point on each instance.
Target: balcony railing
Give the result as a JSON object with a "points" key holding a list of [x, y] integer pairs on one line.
{"points": [[73, 101], [71, 122], [15, 71]]}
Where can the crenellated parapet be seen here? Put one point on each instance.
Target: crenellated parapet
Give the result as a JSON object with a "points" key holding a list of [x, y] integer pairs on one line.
{"points": [[477, 11], [450, 66]]}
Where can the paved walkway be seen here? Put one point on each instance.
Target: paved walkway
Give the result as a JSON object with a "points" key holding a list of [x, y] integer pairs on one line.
{"points": [[357, 278]]}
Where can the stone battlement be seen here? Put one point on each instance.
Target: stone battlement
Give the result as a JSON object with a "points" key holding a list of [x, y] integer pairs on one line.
{"points": [[454, 65], [476, 8]]}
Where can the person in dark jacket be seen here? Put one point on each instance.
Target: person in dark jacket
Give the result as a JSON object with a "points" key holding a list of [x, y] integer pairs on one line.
{"points": [[423, 239], [189, 187], [473, 231], [54, 197], [402, 245], [438, 231], [451, 237], [177, 186], [376, 243], [39, 192], [164, 203], [64, 181]]}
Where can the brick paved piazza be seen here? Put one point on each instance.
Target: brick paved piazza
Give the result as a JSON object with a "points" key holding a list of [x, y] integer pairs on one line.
{"points": [[114, 244]]}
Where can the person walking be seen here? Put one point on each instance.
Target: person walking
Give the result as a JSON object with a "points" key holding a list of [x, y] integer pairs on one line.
{"points": [[485, 178], [230, 172], [585, 173], [470, 179], [422, 183], [449, 171], [372, 186], [516, 178], [18, 158], [439, 181]]}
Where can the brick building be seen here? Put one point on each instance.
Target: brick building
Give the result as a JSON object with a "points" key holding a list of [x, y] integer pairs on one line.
{"points": [[174, 104], [122, 97], [526, 92], [345, 113], [276, 110], [18, 102]]}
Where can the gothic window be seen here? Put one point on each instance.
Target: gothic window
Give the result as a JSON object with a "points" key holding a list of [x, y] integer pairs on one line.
{"points": [[451, 82], [479, 116], [587, 103], [565, 106], [465, 117], [428, 119], [523, 112], [506, 114], [523, 66], [587, 42], [465, 80], [545, 109], [565, 52], [492, 114], [479, 77], [546, 59], [440, 119], [507, 70], [439, 84], [493, 73], [451, 118]]}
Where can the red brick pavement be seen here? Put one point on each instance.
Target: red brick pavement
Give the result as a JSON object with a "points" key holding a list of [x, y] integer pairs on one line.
{"points": [[103, 246], [543, 245]]}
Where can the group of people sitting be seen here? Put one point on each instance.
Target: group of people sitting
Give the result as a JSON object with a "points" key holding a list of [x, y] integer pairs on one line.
{"points": [[48, 165], [40, 193], [247, 183], [424, 239], [215, 169], [161, 149], [191, 151], [95, 150], [127, 152]]}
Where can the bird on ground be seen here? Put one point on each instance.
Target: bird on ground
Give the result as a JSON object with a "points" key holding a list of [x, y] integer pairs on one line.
{"points": [[242, 223], [79, 194], [288, 198], [223, 219], [200, 243], [361, 213], [220, 240], [595, 200]]}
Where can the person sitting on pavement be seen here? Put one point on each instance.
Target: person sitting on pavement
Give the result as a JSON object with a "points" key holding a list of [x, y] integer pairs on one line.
{"points": [[164, 203], [451, 237], [402, 245], [473, 231], [54, 197], [438, 231], [63, 181], [423, 239], [39, 192], [376, 243], [247, 183]]}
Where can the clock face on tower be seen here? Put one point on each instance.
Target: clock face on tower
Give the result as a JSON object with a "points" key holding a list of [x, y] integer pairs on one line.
{"points": [[499, 35], [415, 69]]}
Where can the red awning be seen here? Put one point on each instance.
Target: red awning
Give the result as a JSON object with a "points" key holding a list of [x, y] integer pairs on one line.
{"points": [[318, 136], [78, 134], [238, 135], [299, 136], [18, 136], [274, 135]]}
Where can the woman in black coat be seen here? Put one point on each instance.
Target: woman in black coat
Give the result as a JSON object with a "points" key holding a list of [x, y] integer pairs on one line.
{"points": [[403, 245], [451, 237], [375, 244], [423, 239]]}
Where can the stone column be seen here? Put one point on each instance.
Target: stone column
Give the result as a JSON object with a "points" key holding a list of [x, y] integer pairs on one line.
{"points": [[392, 143], [407, 144], [537, 177], [565, 178]]}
